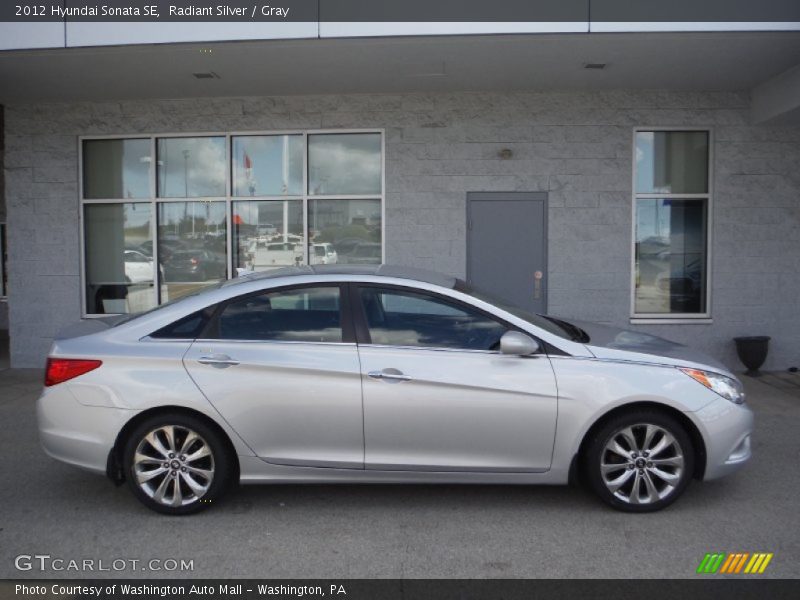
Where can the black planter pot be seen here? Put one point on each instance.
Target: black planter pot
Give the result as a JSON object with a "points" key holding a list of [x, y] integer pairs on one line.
{"points": [[752, 352]]}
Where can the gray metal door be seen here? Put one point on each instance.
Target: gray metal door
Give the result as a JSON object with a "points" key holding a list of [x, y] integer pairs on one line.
{"points": [[507, 246]]}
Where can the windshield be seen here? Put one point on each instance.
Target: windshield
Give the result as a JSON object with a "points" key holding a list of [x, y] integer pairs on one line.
{"points": [[550, 325]]}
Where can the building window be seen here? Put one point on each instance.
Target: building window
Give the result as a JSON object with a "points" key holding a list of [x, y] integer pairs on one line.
{"points": [[671, 203], [206, 207]]}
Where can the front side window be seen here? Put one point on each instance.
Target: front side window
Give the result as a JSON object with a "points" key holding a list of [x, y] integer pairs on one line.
{"points": [[671, 224], [308, 314], [406, 318]]}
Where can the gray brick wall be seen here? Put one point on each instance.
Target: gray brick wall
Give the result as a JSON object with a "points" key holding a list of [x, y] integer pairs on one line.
{"points": [[575, 146]]}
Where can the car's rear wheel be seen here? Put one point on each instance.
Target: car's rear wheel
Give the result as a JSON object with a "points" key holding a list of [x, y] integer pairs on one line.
{"points": [[176, 464], [640, 461]]}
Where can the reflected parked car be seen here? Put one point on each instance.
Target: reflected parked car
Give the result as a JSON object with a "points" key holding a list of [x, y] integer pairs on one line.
{"points": [[138, 267], [382, 375], [279, 254], [323, 254], [365, 253], [195, 265]]}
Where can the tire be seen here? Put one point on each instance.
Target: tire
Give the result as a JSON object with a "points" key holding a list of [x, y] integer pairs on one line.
{"points": [[646, 448], [153, 464]]}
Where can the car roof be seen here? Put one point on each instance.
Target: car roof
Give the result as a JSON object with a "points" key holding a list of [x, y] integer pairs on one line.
{"points": [[400, 272]]}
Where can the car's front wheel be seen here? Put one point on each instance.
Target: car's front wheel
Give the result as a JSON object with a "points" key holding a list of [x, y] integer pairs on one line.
{"points": [[176, 464], [639, 461]]}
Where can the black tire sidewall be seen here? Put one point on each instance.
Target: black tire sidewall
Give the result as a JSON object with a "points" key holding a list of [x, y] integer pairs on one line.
{"points": [[219, 450], [599, 439]]}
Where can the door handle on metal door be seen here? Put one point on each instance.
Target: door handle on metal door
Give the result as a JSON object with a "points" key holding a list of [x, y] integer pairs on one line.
{"points": [[389, 375], [218, 360]]}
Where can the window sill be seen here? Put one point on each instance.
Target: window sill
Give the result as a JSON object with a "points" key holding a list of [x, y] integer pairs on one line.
{"points": [[671, 321]]}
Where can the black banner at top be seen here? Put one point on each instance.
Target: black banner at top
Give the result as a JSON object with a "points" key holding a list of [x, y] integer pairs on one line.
{"points": [[551, 11]]}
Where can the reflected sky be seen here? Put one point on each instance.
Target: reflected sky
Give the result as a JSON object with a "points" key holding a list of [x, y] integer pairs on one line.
{"points": [[340, 164], [191, 167]]}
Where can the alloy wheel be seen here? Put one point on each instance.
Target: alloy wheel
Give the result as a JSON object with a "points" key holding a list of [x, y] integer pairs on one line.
{"points": [[642, 464], [173, 465]]}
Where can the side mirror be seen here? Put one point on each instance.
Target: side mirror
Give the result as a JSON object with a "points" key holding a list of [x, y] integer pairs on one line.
{"points": [[518, 344]]}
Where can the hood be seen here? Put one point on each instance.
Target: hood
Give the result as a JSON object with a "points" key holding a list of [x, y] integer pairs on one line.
{"points": [[610, 342]]}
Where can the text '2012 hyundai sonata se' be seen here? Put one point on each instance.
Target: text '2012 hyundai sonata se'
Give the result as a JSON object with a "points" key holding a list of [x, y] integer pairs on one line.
{"points": [[382, 374]]}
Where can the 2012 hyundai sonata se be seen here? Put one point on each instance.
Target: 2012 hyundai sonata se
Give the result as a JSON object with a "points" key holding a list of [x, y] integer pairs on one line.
{"points": [[382, 375]]}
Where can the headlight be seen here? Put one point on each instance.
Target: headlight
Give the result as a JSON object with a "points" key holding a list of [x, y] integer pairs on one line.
{"points": [[727, 387]]}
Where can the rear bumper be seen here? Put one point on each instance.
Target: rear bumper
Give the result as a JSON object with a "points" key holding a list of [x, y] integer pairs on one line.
{"points": [[726, 429], [77, 434]]}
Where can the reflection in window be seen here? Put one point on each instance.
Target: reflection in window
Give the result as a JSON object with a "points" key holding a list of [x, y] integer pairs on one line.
{"points": [[119, 262], [401, 318], [191, 167], [670, 256], [344, 164], [116, 169], [295, 315], [351, 227], [267, 234], [192, 246], [267, 165], [672, 162]]}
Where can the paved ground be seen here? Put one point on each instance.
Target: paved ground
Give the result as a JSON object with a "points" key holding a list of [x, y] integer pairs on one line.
{"points": [[417, 531]]}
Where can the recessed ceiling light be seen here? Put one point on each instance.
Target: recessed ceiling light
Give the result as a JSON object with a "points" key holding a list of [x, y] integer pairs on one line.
{"points": [[595, 66], [208, 75]]}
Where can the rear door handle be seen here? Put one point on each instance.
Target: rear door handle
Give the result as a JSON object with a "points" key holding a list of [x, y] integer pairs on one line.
{"points": [[218, 360], [389, 375]]}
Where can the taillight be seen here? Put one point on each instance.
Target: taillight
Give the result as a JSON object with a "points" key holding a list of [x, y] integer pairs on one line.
{"points": [[194, 261], [60, 370]]}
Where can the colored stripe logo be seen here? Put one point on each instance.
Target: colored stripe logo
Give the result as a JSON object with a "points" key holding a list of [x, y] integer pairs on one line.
{"points": [[735, 563]]}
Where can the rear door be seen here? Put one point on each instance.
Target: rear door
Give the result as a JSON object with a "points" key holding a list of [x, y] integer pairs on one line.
{"points": [[282, 368]]}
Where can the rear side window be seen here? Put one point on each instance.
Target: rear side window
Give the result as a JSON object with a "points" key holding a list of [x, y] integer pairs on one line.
{"points": [[188, 328], [310, 314]]}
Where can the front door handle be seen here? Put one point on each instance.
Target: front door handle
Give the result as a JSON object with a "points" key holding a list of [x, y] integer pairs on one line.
{"points": [[389, 375], [220, 361]]}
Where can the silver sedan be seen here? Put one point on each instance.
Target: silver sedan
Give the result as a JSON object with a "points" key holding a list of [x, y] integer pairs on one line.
{"points": [[383, 375]]}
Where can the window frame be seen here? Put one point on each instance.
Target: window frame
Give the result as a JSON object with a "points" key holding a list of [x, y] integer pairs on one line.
{"points": [[673, 318], [228, 198], [361, 323]]}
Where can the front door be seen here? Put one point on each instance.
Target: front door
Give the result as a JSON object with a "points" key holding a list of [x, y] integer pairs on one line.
{"points": [[507, 246], [279, 368], [438, 396]]}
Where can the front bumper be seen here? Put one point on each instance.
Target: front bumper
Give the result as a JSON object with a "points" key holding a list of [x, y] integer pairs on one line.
{"points": [[726, 428], [75, 433]]}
